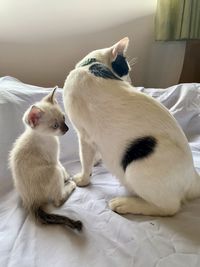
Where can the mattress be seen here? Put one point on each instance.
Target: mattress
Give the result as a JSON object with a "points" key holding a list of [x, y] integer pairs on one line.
{"points": [[108, 239]]}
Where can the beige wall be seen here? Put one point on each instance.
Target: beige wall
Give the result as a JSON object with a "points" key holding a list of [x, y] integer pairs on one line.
{"points": [[41, 41]]}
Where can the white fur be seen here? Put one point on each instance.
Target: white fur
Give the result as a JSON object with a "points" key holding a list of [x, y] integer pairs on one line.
{"points": [[34, 160], [108, 114]]}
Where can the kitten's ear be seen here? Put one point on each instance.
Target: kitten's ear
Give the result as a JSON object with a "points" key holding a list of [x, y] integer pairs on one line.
{"points": [[120, 47], [34, 116], [51, 97]]}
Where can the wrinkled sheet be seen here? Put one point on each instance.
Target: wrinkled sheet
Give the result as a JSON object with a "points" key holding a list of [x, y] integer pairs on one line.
{"points": [[108, 239]]}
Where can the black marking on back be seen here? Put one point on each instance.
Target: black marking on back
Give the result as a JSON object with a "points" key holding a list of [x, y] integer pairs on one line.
{"points": [[138, 149], [120, 66], [100, 70]]}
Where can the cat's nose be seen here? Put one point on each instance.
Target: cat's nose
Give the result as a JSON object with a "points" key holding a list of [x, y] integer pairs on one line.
{"points": [[64, 128]]}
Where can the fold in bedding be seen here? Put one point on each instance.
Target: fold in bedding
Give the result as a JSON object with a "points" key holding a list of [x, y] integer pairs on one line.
{"points": [[108, 239]]}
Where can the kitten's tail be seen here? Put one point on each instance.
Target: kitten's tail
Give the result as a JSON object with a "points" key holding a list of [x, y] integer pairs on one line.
{"points": [[49, 218]]}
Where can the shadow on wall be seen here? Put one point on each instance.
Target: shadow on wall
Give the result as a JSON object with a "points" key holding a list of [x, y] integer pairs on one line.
{"points": [[48, 63]]}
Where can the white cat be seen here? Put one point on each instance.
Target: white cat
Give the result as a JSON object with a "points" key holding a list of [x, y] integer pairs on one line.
{"points": [[34, 160], [139, 140]]}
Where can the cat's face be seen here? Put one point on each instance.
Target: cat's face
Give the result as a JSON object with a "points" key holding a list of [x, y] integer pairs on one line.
{"points": [[113, 57], [46, 117]]}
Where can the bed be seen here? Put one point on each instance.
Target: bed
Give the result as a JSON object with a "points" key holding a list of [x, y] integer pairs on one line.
{"points": [[108, 239]]}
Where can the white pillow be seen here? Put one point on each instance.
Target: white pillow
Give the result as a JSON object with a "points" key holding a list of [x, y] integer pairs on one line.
{"points": [[15, 98]]}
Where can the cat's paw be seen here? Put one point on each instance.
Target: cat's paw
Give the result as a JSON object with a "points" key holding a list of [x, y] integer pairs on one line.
{"points": [[67, 179], [70, 186], [68, 189], [65, 175], [81, 180], [119, 205]]}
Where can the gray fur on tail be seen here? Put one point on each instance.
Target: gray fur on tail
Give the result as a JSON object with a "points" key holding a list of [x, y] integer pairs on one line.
{"points": [[48, 218]]}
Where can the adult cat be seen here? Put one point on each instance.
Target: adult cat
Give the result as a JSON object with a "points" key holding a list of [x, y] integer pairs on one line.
{"points": [[139, 140]]}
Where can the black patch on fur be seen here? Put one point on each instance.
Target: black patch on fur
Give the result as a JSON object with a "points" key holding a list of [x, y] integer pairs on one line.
{"points": [[138, 149], [48, 218], [100, 70], [120, 66], [88, 62]]}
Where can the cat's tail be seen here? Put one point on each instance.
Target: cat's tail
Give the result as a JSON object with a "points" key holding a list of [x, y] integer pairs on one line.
{"points": [[48, 218]]}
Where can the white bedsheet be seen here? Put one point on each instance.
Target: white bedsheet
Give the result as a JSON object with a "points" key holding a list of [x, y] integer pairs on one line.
{"points": [[108, 239]]}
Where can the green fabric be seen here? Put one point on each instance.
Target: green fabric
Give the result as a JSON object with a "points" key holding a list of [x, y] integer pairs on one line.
{"points": [[177, 20]]}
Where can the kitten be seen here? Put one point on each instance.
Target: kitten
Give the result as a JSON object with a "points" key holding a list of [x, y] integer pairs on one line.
{"points": [[139, 140], [34, 160]]}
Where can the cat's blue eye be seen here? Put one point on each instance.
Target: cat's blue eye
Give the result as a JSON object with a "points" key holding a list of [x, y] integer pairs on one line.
{"points": [[56, 125]]}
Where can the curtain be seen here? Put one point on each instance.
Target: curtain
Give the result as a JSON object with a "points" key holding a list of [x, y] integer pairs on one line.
{"points": [[177, 20]]}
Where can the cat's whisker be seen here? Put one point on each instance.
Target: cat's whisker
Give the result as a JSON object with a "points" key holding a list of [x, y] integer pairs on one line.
{"points": [[132, 61]]}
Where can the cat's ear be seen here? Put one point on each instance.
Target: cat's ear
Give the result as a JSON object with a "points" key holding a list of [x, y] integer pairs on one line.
{"points": [[51, 97], [120, 47], [34, 116]]}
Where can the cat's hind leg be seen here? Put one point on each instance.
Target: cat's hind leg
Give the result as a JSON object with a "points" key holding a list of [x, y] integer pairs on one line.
{"points": [[61, 191], [60, 198], [158, 193], [137, 205], [68, 189]]}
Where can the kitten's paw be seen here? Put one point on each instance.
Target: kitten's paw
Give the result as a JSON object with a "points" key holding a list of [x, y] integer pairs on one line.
{"points": [[81, 180], [119, 205], [68, 189], [66, 175], [70, 186], [67, 179]]}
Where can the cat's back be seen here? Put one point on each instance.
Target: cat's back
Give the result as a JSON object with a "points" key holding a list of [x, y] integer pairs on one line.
{"points": [[75, 81], [82, 83], [112, 104], [103, 94], [82, 88], [23, 148]]}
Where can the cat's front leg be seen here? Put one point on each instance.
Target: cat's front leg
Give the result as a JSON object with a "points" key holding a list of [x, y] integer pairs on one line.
{"points": [[87, 153], [66, 175]]}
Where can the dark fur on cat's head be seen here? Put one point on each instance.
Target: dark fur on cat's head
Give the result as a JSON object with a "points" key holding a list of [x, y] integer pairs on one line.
{"points": [[109, 62]]}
